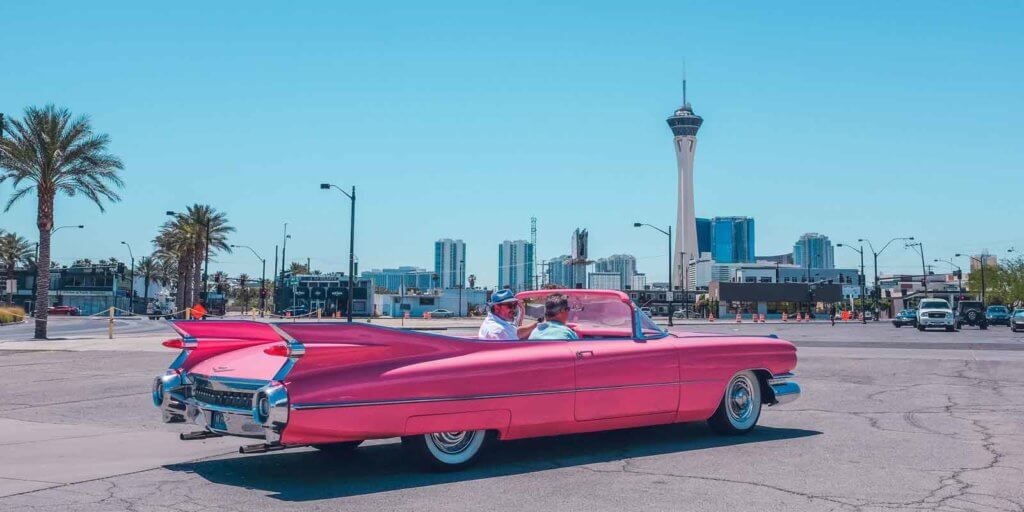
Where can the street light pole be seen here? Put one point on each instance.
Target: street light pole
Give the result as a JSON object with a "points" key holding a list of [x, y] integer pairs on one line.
{"points": [[981, 263], [351, 243], [263, 277], [131, 278], [863, 281], [284, 249], [960, 273], [878, 291], [669, 235]]}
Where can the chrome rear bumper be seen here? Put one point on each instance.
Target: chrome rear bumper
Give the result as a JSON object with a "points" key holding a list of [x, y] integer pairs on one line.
{"points": [[784, 389], [248, 408]]}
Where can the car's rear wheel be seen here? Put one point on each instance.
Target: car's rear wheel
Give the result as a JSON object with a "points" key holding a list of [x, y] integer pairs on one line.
{"points": [[920, 328], [343, 448], [447, 451], [949, 328], [740, 406]]}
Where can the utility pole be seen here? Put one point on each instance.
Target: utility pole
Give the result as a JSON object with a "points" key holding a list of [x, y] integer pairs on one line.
{"points": [[284, 249], [919, 248], [351, 243], [684, 277], [863, 281]]}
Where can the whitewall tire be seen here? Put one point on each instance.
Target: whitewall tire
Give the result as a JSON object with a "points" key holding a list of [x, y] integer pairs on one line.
{"points": [[740, 407], [448, 451]]}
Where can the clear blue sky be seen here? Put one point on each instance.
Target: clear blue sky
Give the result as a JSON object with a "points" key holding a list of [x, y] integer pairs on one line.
{"points": [[458, 120]]}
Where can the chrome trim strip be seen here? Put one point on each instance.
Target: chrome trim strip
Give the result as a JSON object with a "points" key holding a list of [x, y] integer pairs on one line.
{"points": [[331, 405], [780, 377], [230, 383], [219, 408], [295, 350]]}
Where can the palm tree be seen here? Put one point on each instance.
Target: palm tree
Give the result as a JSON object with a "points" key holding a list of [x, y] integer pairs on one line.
{"points": [[147, 267], [51, 153], [243, 290], [13, 250], [184, 237]]}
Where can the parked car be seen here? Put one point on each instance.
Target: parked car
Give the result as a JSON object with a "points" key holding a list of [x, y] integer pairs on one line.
{"points": [[935, 313], [441, 313], [971, 312], [1017, 320], [296, 311], [997, 315], [63, 310], [647, 311], [332, 386], [905, 317]]}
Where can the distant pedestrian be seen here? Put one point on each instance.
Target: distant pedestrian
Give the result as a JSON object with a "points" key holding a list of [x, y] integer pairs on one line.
{"points": [[832, 314]]}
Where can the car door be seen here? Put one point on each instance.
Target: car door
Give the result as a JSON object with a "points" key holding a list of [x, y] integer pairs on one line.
{"points": [[625, 377]]}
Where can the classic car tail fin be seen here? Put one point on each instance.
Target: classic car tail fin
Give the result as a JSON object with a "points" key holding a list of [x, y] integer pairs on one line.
{"points": [[201, 340]]}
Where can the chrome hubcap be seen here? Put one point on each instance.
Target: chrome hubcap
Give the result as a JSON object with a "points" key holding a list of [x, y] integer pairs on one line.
{"points": [[740, 404], [452, 442]]}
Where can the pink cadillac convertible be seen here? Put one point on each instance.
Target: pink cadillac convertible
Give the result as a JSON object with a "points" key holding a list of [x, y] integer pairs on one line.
{"points": [[334, 385]]}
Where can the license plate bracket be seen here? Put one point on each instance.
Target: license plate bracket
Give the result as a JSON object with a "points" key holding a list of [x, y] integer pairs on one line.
{"points": [[217, 421]]}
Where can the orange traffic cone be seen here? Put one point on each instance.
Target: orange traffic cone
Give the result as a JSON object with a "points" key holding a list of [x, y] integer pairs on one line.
{"points": [[711, 317], [739, 318], [785, 317], [764, 318], [799, 317]]}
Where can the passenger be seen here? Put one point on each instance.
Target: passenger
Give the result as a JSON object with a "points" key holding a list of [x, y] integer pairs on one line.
{"points": [[502, 312], [556, 313]]}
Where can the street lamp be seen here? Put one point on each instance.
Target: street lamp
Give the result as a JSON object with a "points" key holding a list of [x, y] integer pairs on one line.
{"points": [[131, 277], [981, 263], [959, 272], [918, 247], [351, 242], [878, 292], [669, 235], [863, 280], [263, 277]]}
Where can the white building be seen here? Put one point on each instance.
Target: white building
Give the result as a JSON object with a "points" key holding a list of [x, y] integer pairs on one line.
{"points": [[638, 282], [603, 280], [623, 264], [450, 262]]}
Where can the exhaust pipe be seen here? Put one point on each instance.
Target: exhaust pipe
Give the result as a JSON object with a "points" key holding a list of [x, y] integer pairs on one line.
{"points": [[259, 448], [199, 434]]}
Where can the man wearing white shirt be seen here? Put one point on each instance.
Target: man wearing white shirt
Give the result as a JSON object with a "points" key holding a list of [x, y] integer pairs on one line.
{"points": [[502, 312]]}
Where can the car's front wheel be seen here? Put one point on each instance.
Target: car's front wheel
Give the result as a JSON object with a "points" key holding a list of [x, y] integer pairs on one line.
{"points": [[447, 451], [740, 406]]}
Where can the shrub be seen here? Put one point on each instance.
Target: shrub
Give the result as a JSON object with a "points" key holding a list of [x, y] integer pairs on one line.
{"points": [[10, 315]]}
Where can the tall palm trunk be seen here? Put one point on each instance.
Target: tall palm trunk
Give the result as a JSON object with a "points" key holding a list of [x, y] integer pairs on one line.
{"points": [[197, 272], [185, 280], [44, 221], [10, 277]]}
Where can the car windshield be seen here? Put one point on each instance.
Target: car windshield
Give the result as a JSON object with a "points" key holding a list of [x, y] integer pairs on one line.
{"points": [[934, 304], [908, 312], [997, 309], [600, 314], [1019, 313]]}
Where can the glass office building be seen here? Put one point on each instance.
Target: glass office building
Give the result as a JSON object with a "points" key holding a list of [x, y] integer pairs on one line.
{"points": [[731, 239]]}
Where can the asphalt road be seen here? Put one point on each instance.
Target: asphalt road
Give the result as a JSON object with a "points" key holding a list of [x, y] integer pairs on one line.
{"points": [[889, 420]]}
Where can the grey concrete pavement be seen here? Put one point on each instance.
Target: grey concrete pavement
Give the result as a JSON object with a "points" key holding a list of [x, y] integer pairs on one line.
{"points": [[884, 424]]}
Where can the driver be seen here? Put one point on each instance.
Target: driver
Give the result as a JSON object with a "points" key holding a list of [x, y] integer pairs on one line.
{"points": [[556, 313], [502, 312]]}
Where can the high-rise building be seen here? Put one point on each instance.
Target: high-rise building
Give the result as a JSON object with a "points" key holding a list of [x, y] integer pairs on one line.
{"points": [[622, 264], [560, 271], [703, 236], [450, 262], [989, 259], [579, 260], [814, 250], [515, 265], [394, 279], [732, 239], [684, 124]]}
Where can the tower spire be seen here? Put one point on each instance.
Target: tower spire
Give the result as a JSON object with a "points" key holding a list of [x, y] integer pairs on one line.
{"points": [[684, 81]]}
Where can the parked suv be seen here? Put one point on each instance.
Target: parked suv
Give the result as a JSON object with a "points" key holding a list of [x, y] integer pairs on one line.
{"points": [[971, 312], [935, 313]]}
